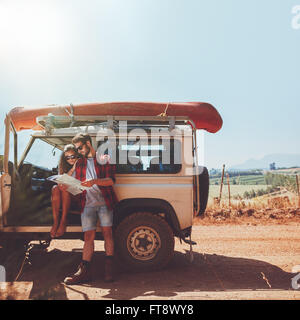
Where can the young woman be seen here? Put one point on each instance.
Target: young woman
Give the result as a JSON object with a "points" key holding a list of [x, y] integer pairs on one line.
{"points": [[61, 198]]}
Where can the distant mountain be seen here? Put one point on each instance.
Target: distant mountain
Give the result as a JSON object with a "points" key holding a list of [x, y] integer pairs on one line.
{"points": [[280, 159]]}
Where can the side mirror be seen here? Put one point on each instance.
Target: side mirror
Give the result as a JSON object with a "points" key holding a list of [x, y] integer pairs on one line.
{"points": [[54, 171]]}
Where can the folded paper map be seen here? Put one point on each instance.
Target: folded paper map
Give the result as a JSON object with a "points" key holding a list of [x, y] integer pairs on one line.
{"points": [[73, 184]]}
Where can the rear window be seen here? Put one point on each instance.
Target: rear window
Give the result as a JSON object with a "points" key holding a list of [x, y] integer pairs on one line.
{"points": [[161, 156]]}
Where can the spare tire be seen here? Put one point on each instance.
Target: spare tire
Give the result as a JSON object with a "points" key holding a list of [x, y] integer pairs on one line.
{"points": [[203, 179]]}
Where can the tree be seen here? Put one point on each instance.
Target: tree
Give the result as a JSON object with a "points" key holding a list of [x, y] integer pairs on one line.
{"points": [[272, 166]]}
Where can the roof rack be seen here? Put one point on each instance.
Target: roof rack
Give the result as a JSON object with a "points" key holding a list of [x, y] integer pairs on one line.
{"points": [[56, 122]]}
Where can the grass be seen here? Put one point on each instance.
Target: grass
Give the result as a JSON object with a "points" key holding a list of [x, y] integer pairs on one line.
{"points": [[279, 207], [248, 180], [292, 171], [235, 190], [282, 199]]}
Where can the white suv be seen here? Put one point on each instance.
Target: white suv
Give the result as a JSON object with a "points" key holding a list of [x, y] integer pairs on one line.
{"points": [[159, 184]]}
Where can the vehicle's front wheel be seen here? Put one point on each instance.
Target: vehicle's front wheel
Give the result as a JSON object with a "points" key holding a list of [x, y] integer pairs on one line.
{"points": [[144, 241], [12, 253]]}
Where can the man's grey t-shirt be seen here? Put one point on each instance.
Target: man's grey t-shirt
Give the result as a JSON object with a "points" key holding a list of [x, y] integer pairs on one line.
{"points": [[94, 195]]}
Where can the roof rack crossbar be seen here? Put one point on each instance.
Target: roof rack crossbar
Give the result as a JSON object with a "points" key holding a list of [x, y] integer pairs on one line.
{"points": [[54, 122]]}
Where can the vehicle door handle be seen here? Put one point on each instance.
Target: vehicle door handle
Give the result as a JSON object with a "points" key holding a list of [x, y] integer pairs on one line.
{"points": [[7, 185]]}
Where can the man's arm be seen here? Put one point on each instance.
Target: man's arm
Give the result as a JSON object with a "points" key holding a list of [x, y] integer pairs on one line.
{"points": [[104, 182], [109, 179]]}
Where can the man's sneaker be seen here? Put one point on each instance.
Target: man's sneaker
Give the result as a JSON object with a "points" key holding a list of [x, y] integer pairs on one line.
{"points": [[82, 275], [108, 270]]}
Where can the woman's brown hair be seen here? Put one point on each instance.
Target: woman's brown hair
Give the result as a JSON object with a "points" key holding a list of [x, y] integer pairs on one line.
{"points": [[64, 166]]}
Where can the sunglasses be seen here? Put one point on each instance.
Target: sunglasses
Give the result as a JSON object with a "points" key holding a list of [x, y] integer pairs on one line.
{"points": [[80, 147], [70, 157]]}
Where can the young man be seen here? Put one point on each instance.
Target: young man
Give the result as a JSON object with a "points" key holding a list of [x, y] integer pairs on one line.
{"points": [[98, 201]]}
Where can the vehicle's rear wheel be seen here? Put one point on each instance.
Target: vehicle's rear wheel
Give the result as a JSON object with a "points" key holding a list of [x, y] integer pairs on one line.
{"points": [[144, 241]]}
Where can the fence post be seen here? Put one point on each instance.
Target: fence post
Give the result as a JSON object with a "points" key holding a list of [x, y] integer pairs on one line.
{"points": [[298, 191], [228, 182], [221, 187]]}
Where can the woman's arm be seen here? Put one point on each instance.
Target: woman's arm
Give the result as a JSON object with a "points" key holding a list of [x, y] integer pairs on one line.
{"points": [[71, 171]]}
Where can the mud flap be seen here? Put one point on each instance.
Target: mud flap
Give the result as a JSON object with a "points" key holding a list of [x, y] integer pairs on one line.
{"points": [[190, 253]]}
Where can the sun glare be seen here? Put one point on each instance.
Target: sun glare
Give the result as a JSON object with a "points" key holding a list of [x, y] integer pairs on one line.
{"points": [[30, 31]]}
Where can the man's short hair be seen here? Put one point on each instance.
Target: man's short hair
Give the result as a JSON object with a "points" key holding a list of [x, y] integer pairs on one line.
{"points": [[82, 137]]}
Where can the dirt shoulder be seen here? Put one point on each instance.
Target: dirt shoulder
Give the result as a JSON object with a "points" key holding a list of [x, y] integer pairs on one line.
{"points": [[266, 216], [244, 260]]}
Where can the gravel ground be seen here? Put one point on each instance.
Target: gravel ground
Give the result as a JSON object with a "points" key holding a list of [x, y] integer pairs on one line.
{"points": [[231, 261]]}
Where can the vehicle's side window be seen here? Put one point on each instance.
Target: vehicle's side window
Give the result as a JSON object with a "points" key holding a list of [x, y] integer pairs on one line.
{"points": [[31, 195], [161, 156], [43, 154], [40, 163]]}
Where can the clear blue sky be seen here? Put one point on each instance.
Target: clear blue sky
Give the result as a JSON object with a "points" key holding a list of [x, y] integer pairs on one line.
{"points": [[241, 56]]}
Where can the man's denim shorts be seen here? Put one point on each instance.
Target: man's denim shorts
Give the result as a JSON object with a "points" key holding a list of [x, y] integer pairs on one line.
{"points": [[90, 216]]}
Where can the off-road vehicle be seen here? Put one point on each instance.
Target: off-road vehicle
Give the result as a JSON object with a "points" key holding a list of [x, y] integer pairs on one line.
{"points": [[159, 183]]}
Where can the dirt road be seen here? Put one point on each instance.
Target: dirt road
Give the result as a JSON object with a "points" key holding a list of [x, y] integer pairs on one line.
{"points": [[230, 262]]}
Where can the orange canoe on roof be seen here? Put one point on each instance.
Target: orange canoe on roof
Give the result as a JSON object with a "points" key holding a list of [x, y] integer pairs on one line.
{"points": [[203, 115]]}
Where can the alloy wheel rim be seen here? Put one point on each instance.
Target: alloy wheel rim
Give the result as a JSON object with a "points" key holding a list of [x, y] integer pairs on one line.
{"points": [[143, 243]]}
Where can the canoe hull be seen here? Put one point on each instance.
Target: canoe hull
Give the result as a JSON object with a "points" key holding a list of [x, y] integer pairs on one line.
{"points": [[203, 115]]}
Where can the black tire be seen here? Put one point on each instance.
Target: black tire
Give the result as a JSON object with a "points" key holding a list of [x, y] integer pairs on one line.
{"points": [[144, 242], [204, 190], [13, 245], [12, 253]]}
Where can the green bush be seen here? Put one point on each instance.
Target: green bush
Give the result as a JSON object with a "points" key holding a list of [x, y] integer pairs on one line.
{"points": [[281, 180]]}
